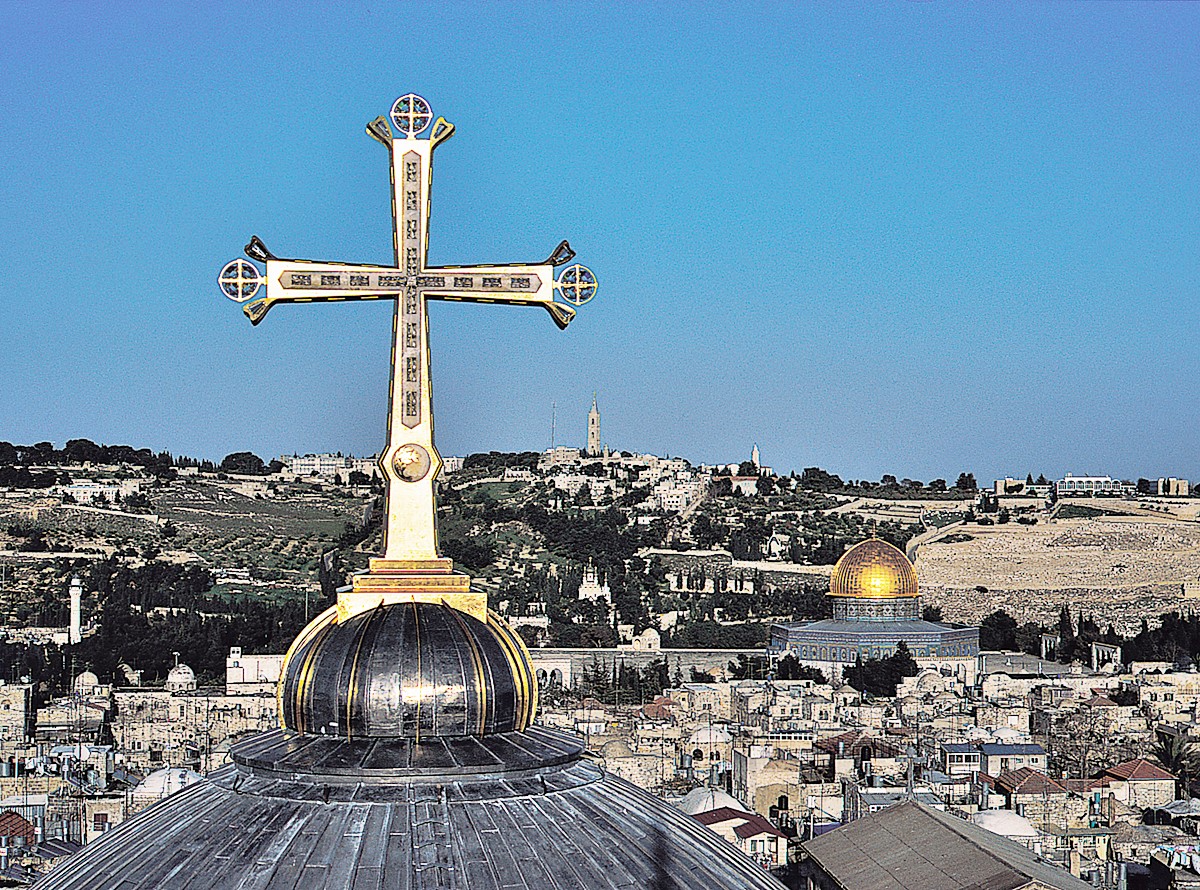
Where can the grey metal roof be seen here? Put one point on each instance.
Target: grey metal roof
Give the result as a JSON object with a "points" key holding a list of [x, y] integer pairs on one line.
{"points": [[959, 748], [912, 846], [993, 749], [309, 812]]}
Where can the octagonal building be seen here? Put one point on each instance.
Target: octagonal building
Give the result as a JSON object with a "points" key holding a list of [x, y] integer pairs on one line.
{"points": [[876, 604]]}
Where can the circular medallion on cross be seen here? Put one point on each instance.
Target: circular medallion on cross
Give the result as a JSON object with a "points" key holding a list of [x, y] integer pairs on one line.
{"points": [[411, 114]]}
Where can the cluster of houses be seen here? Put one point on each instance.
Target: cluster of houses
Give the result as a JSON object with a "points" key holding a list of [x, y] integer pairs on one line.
{"points": [[1054, 759]]}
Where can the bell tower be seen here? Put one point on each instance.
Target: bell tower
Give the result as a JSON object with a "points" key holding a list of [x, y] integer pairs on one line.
{"points": [[593, 440]]}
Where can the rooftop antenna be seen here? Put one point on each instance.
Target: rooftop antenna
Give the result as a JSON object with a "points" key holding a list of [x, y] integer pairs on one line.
{"points": [[553, 417]]}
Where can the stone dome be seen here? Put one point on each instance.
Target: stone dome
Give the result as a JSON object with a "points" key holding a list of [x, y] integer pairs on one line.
{"points": [[85, 682], [616, 748], [407, 670], [181, 678], [710, 735], [1005, 823], [165, 782], [873, 569], [705, 800]]}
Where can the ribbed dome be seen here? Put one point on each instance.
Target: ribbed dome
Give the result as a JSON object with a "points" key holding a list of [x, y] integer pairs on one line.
{"points": [[873, 569], [410, 671]]}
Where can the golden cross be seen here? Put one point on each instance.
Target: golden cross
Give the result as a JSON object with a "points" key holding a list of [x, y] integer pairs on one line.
{"points": [[411, 567]]}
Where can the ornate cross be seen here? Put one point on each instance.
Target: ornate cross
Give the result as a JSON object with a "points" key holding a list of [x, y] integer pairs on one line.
{"points": [[411, 567]]}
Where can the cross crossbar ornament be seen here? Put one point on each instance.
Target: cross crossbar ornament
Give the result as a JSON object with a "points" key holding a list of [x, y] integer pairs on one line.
{"points": [[411, 568]]}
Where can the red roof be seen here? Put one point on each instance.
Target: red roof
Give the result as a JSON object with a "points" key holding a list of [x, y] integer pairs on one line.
{"points": [[756, 825], [14, 825], [656, 711], [752, 824], [830, 744], [720, 814], [1086, 786], [1027, 781], [1138, 770]]}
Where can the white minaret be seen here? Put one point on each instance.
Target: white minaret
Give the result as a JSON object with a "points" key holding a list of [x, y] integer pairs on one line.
{"points": [[754, 456], [593, 442], [75, 632]]}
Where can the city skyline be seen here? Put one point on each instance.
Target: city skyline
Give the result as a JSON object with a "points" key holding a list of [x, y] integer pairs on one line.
{"points": [[911, 239]]}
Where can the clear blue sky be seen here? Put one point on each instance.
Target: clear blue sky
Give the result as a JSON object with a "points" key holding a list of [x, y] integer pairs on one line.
{"points": [[915, 238]]}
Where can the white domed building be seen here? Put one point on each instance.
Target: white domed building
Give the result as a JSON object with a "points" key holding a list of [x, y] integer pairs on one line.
{"points": [[86, 683], [181, 678], [160, 784], [705, 800], [1009, 824]]}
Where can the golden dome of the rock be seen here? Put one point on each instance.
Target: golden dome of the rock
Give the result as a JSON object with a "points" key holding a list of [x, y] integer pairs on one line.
{"points": [[873, 569]]}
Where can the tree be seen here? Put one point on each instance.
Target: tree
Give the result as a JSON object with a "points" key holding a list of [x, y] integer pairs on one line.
{"points": [[998, 631], [902, 662], [1066, 636], [244, 462], [937, 485], [881, 676], [1179, 756], [966, 482], [705, 532], [931, 613], [816, 479], [790, 668]]}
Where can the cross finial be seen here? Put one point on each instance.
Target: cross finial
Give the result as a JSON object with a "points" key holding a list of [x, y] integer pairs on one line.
{"points": [[411, 568]]}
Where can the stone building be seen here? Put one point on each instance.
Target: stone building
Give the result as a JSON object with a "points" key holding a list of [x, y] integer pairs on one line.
{"points": [[16, 714], [156, 728], [750, 833], [1139, 784], [1040, 799]]}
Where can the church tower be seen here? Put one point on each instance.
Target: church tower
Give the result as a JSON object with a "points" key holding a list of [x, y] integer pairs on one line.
{"points": [[593, 440]]}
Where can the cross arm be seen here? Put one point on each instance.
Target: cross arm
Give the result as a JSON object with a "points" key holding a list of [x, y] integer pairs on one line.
{"points": [[510, 285], [305, 281]]}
